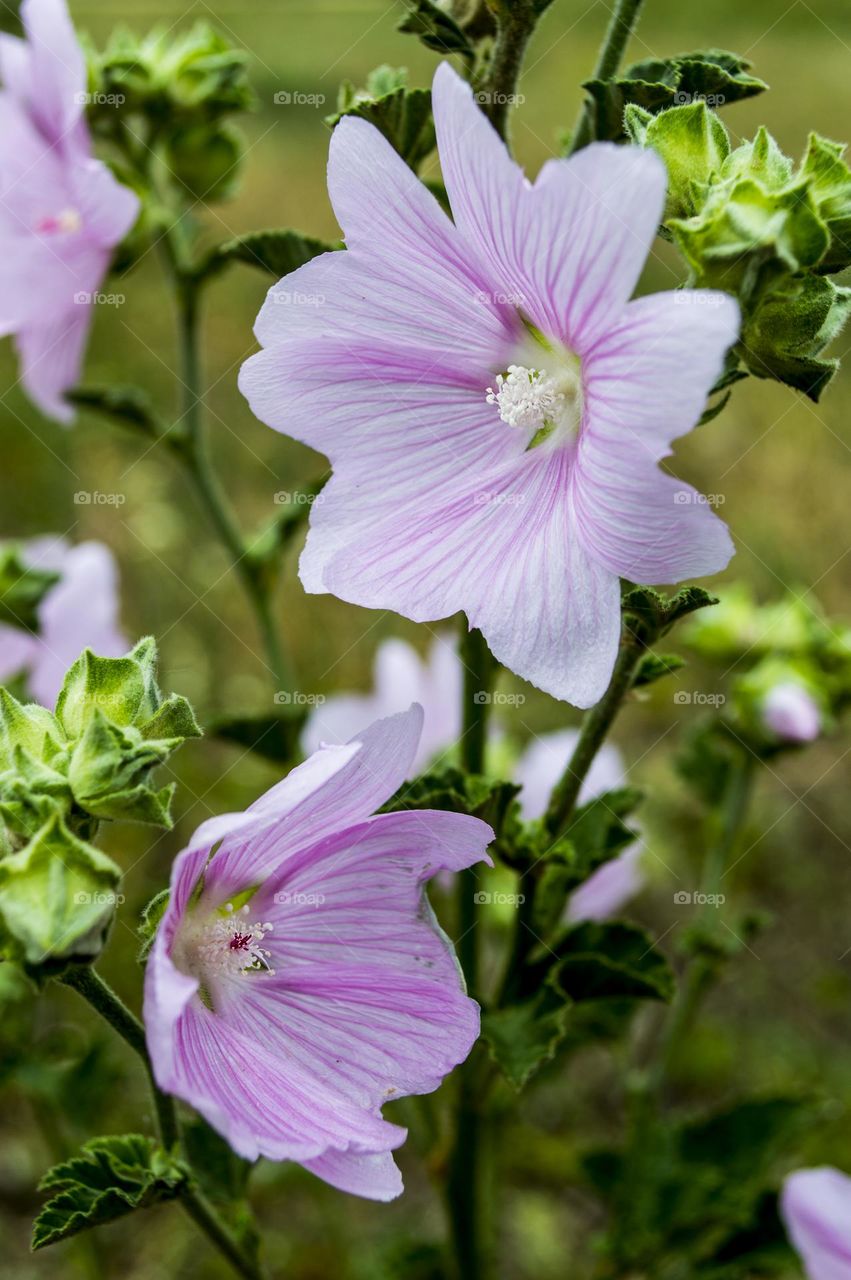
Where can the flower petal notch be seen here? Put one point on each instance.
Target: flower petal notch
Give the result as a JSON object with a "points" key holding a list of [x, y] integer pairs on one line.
{"points": [[493, 404], [298, 980]]}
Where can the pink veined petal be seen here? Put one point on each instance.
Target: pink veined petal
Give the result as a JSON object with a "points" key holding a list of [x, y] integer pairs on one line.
{"points": [[51, 356], [570, 247], [545, 760], [506, 551], [261, 1103], [373, 1175], [107, 208], [816, 1208], [367, 995], [380, 405], [58, 68], [646, 383], [335, 788]]}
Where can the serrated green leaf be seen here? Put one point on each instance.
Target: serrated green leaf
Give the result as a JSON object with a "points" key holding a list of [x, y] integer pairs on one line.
{"points": [[277, 252], [610, 960], [403, 116], [129, 406], [149, 922], [437, 29], [110, 1178], [523, 1036], [785, 335]]}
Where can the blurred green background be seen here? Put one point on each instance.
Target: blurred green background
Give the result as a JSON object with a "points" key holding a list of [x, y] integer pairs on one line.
{"points": [[782, 1021]]}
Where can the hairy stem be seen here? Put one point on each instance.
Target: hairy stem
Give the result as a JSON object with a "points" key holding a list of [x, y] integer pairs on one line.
{"points": [[466, 1179], [621, 26], [91, 986], [515, 25]]}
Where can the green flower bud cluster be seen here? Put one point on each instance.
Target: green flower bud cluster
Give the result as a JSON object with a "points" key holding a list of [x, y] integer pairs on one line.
{"points": [[61, 774], [182, 86], [749, 222], [794, 665]]}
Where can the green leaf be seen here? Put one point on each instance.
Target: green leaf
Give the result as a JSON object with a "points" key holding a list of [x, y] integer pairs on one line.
{"points": [[277, 252], [129, 406], [275, 737], [436, 29], [758, 1247], [598, 831], [110, 1178], [522, 1037], [829, 180], [611, 960], [451, 789], [22, 589], [403, 115]]}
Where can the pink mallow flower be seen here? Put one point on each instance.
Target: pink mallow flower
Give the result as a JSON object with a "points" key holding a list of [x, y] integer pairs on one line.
{"points": [[438, 680], [61, 211], [791, 713], [816, 1208], [493, 405], [298, 980], [80, 611]]}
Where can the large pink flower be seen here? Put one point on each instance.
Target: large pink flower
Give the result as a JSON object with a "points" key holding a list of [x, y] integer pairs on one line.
{"points": [[61, 211], [492, 403], [80, 611], [298, 980]]}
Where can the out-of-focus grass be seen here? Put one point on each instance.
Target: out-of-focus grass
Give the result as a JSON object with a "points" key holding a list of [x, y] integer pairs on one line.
{"points": [[780, 464]]}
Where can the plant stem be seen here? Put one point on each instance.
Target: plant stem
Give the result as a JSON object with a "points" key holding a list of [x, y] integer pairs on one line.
{"points": [[91, 986], [190, 443], [595, 727], [621, 26], [515, 25], [465, 1184]]}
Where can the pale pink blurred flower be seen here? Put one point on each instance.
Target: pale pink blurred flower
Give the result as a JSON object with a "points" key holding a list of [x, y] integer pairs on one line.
{"points": [[61, 211], [791, 713], [81, 610], [816, 1208]]}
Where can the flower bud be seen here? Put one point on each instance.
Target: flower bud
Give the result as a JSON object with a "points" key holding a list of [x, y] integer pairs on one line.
{"points": [[693, 143], [791, 713]]}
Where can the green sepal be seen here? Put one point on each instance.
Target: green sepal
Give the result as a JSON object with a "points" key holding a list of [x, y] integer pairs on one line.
{"points": [[110, 1178], [30, 727], [649, 614], [829, 180], [692, 142], [115, 687], [108, 771], [149, 922], [785, 335], [655, 666], [22, 589], [57, 897]]}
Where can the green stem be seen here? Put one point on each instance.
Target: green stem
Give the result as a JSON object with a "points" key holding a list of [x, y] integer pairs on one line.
{"points": [[515, 25], [595, 727], [621, 26], [191, 445], [91, 986], [466, 1180]]}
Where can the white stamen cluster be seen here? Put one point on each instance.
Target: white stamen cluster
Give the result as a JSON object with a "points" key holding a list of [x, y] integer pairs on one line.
{"points": [[526, 398], [230, 946]]}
